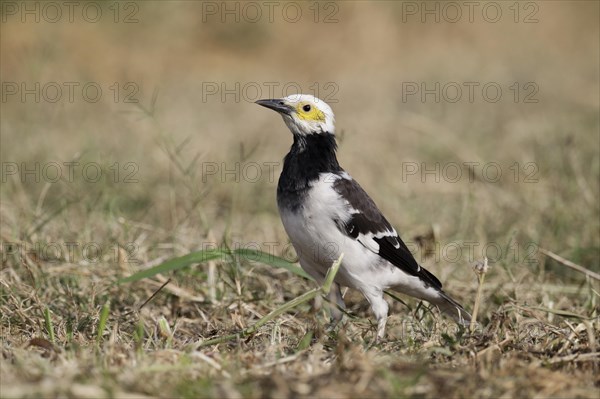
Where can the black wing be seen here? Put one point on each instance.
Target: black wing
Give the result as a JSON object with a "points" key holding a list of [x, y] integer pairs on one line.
{"points": [[368, 226]]}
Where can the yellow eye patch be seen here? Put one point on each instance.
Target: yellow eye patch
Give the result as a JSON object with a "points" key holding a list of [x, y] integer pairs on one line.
{"points": [[309, 112]]}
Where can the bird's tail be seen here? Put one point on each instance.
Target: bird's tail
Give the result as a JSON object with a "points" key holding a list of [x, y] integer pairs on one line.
{"points": [[452, 308]]}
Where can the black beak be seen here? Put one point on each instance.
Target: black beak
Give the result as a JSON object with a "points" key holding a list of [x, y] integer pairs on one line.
{"points": [[276, 105]]}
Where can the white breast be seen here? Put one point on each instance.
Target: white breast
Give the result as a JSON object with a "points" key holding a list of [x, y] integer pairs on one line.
{"points": [[316, 236]]}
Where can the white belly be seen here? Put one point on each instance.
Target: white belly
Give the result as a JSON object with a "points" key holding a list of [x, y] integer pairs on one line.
{"points": [[319, 242]]}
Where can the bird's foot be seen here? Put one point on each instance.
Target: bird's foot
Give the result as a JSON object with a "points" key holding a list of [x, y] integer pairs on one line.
{"points": [[380, 336]]}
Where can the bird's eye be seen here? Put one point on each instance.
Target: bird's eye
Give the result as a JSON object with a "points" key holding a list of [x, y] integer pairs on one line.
{"points": [[306, 108]]}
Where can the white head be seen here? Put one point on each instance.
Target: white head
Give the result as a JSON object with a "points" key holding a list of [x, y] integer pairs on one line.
{"points": [[303, 114]]}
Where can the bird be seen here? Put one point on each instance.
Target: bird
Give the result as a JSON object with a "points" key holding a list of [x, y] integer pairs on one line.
{"points": [[326, 213]]}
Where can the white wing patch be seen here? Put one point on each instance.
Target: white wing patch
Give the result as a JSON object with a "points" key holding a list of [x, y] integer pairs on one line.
{"points": [[368, 239]]}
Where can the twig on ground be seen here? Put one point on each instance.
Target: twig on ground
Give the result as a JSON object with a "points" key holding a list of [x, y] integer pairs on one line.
{"points": [[570, 264]]}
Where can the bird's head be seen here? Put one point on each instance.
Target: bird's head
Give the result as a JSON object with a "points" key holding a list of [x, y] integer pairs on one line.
{"points": [[303, 114]]}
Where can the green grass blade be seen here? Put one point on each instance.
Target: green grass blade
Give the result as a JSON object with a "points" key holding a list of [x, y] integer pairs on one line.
{"points": [[138, 335], [102, 322], [330, 276], [165, 331], [204, 256], [271, 260], [175, 264], [305, 341], [49, 326]]}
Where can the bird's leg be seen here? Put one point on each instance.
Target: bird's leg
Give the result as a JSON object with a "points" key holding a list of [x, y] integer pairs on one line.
{"points": [[380, 308], [381, 328], [337, 304]]}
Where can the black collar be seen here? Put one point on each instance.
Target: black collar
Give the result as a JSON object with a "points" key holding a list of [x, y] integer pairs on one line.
{"points": [[309, 156]]}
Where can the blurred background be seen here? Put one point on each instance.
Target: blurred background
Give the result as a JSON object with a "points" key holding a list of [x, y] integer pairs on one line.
{"points": [[160, 96], [129, 136]]}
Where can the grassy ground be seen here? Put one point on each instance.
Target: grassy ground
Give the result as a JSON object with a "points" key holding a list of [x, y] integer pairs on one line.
{"points": [[187, 168]]}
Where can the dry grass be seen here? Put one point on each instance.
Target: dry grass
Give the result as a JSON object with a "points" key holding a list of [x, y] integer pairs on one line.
{"points": [[69, 330]]}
